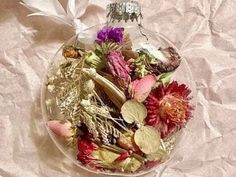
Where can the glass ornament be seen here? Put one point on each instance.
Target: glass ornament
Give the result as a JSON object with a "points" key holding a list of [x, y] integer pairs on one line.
{"points": [[59, 93]]}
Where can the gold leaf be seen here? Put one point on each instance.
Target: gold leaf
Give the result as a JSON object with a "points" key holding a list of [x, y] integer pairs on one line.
{"points": [[105, 156], [148, 139], [129, 54], [127, 142], [131, 164], [133, 111], [165, 78], [161, 155], [107, 159]]}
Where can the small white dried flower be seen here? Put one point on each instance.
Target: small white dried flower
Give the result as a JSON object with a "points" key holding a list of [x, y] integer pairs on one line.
{"points": [[89, 86], [85, 103], [49, 103], [51, 88]]}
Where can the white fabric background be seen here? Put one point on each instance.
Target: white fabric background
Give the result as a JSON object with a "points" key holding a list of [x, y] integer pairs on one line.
{"points": [[203, 30]]}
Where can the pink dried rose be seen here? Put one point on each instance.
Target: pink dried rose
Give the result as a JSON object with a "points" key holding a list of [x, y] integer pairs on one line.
{"points": [[118, 67], [62, 129], [140, 88]]}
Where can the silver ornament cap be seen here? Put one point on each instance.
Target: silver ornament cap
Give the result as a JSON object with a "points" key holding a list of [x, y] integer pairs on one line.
{"points": [[124, 10]]}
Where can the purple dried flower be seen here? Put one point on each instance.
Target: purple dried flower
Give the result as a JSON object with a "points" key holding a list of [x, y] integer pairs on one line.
{"points": [[118, 67], [110, 34]]}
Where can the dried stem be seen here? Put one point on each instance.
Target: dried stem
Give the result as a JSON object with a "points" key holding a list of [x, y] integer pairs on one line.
{"points": [[119, 150], [111, 118]]}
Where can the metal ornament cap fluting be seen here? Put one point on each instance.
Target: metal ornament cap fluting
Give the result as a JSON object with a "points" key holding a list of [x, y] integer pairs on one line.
{"points": [[124, 10]]}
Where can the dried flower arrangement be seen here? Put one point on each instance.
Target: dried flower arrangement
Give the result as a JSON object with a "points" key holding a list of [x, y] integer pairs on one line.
{"points": [[121, 109]]}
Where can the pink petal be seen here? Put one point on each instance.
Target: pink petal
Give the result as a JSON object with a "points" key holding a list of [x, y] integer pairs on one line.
{"points": [[122, 157], [141, 88], [132, 86], [60, 129]]}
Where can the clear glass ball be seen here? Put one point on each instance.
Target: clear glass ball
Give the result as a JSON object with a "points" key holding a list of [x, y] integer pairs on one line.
{"points": [[141, 38]]}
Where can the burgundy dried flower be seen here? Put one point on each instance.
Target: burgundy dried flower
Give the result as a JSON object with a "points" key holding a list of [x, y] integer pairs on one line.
{"points": [[165, 60], [173, 61], [118, 67], [110, 34], [169, 108]]}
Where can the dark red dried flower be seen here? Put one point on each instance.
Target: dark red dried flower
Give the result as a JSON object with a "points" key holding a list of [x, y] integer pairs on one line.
{"points": [[85, 148], [169, 107], [123, 157]]}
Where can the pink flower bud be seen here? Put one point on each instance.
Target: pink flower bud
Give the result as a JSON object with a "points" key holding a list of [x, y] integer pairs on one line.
{"points": [[60, 129], [118, 67]]}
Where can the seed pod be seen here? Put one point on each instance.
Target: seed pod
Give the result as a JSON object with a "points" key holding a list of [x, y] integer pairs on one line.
{"points": [[116, 95], [71, 52], [172, 62]]}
